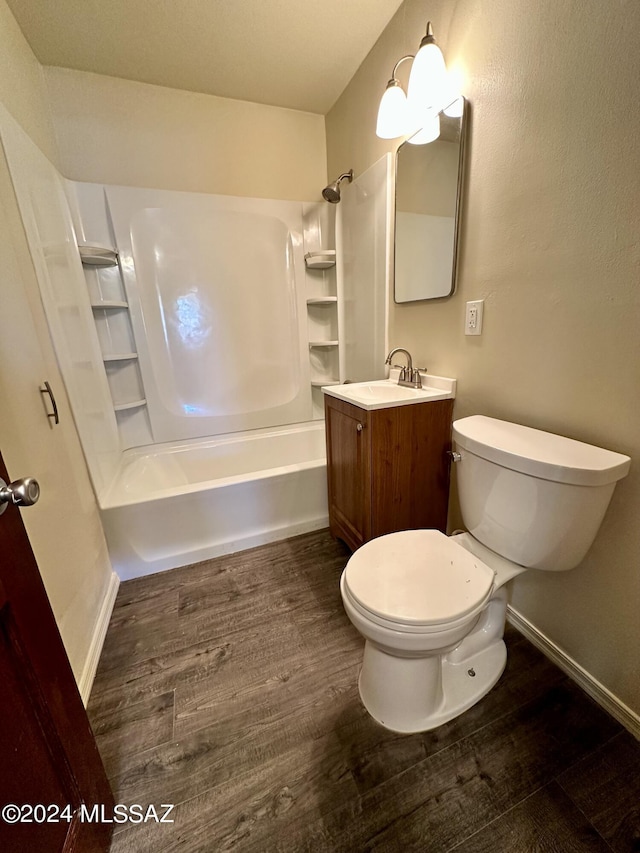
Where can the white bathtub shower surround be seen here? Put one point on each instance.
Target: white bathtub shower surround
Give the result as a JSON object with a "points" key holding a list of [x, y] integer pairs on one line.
{"points": [[215, 292], [192, 361], [40, 191], [181, 502], [364, 229]]}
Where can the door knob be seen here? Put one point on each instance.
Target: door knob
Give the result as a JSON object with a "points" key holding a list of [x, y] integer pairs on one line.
{"points": [[24, 492]]}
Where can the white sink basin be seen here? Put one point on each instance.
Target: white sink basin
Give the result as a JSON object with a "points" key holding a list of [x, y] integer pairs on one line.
{"points": [[384, 393]]}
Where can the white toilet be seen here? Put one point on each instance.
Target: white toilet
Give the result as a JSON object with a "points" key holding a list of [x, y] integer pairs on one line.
{"points": [[432, 608]]}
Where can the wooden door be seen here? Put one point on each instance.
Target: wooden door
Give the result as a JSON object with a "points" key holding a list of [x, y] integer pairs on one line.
{"points": [[348, 471], [48, 755]]}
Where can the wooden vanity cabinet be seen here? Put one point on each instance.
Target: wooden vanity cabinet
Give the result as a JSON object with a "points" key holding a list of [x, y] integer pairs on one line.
{"points": [[387, 469]]}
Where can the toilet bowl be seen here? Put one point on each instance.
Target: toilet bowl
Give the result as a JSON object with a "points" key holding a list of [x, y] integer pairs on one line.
{"points": [[432, 608]]}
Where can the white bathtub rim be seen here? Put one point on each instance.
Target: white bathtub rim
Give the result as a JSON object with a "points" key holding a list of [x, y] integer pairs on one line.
{"points": [[114, 497], [117, 501], [180, 445]]}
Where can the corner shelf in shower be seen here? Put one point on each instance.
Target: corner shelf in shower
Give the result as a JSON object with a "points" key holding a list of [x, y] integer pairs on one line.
{"points": [[125, 407], [322, 326], [110, 303], [122, 356], [322, 300], [98, 256], [320, 260]]}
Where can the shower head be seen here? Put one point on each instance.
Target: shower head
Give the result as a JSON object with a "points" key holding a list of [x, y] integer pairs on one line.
{"points": [[332, 192]]}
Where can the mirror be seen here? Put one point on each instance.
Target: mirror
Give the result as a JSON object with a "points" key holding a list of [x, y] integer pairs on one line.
{"points": [[428, 189]]}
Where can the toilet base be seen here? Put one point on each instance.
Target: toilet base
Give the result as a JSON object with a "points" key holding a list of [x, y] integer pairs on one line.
{"points": [[408, 695]]}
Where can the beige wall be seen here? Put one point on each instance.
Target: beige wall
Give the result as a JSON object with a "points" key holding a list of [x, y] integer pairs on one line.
{"points": [[22, 86], [120, 132], [64, 527], [551, 242]]}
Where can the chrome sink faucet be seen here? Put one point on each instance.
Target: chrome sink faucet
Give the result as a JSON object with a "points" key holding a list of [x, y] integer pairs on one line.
{"points": [[409, 376]]}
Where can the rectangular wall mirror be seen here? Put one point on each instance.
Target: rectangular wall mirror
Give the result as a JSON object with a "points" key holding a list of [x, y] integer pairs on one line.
{"points": [[427, 213]]}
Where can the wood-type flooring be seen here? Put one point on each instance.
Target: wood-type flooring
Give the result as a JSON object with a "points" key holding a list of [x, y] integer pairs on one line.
{"points": [[229, 689]]}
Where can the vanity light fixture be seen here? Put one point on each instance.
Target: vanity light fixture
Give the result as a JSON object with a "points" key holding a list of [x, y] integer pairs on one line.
{"points": [[428, 78], [416, 114], [393, 115]]}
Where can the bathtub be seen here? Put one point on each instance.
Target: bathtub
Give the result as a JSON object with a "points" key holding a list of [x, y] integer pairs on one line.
{"points": [[178, 503]]}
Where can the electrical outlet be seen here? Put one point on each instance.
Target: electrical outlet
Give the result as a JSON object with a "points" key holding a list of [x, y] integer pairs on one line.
{"points": [[473, 317]]}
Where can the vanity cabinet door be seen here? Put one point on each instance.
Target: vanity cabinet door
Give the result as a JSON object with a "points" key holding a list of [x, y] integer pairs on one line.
{"points": [[387, 469], [348, 471], [410, 466]]}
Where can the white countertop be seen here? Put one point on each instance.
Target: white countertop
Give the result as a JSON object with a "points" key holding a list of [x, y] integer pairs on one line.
{"points": [[386, 393]]}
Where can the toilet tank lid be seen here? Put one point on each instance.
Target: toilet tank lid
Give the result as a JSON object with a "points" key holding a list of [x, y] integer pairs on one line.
{"points": [[538, 453]]}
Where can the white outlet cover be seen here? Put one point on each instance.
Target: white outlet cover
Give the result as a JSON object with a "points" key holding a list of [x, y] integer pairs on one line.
{"points": [[473, 317]]}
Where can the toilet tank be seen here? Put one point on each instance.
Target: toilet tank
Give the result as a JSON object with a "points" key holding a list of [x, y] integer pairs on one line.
{"points": [[536, 498]]}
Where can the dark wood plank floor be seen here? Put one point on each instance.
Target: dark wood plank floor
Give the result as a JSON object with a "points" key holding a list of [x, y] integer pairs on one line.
{"points": [[228, 688]]}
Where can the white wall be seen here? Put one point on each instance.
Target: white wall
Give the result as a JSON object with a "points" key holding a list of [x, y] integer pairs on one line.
{"points": [[551, 242], [64, 527], [115, 131]]}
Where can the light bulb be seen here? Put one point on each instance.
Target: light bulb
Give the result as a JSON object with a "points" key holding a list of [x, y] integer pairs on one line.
{"points": [[392, 112], [428, 79]]}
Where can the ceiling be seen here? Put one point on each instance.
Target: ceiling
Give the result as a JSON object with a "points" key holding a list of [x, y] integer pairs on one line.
{"points": [[287, 53]]}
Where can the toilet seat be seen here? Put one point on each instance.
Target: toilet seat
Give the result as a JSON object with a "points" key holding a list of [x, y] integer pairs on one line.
{"points": [[417, 581]]}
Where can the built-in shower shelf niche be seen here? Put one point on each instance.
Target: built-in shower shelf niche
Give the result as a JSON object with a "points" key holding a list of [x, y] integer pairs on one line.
{"points": [[123, 375], [110, 307], [323, 332], [323, 359], [98, 256], [109, 304], [120, 356], [134, 404], [323, 260]]}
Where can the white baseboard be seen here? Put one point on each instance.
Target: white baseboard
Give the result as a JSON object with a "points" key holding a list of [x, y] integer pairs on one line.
{"points": [[598, 692], [97, 641]]}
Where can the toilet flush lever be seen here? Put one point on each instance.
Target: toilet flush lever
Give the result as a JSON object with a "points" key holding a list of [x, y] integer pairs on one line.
{"points": [[454, 455]]}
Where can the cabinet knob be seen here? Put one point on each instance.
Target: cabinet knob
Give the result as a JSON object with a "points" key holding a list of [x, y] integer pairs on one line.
{"points": [[360, 427]]}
